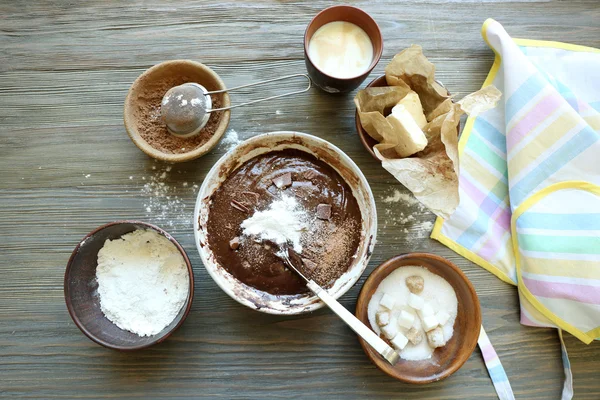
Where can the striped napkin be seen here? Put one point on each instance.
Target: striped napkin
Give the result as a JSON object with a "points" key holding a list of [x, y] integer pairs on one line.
{"points": [[529, 207]]}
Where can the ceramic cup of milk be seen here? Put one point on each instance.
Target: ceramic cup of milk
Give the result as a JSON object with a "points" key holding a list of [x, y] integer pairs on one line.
{"points": [[342, 45]]}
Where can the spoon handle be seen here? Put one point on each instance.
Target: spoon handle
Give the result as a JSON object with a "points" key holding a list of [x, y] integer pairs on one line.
{"points": [[355, 324]]}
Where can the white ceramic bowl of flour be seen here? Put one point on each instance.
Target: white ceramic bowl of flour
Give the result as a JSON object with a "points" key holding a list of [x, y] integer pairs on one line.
{"points": [[323, 150]]}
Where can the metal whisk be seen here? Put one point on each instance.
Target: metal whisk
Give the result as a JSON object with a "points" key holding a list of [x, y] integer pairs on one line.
{"points": [[186, 108]]}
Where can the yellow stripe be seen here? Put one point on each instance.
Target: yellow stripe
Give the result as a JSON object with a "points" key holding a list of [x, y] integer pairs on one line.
{"points": [[533, 312], [555, 267], [544, 140], [586, 337], [481, 175]]}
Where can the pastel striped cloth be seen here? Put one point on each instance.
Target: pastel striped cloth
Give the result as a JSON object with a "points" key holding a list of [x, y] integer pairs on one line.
{"points": [[529, 178], [494, 367]]}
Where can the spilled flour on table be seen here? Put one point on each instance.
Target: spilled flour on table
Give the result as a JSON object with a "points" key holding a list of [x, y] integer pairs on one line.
{"points": [[229, 140], [163, 203]]}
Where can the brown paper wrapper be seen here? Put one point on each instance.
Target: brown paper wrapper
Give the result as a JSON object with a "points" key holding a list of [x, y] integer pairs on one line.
{"points": [[431, 174]]}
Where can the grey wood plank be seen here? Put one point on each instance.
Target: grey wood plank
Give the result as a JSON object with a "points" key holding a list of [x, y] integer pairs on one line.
{"points": [[64, 72]]}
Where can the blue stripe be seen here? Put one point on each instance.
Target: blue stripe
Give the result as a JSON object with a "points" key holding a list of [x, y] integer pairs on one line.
{"points": [[497, 373], [562, 222], [532, 86], [491, 134], [595, 105], [555, 161]]}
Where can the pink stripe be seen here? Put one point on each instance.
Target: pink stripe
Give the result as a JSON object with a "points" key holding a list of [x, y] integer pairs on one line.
{"points": [[488, 352], [472, 191], [493, 242], [533, 118], [570, 291]]}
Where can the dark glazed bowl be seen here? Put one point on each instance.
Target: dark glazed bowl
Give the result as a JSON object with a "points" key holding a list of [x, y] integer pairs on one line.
{"points": [[445, 360], [356, 16], [81, 290]]}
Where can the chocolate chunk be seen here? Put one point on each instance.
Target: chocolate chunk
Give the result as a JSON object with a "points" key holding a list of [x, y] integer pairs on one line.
{"points": [[239, 206], [249, 198], [310, 174], [309, 265], [283, 181], [234, 243], [324, 211]]}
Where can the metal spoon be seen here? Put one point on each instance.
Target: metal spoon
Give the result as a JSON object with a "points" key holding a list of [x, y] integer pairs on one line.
{"points": [[354, 323]]}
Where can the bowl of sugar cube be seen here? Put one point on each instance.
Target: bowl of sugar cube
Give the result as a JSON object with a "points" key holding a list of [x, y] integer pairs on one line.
{"points": [[427, 309]]}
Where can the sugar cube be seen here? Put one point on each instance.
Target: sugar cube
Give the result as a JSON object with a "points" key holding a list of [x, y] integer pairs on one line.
{"points": [[406, 319], [399, 341], [414, 335], [429, 323], [387, 301], [426, 311], [442, 317], [435, 338], [383, 318], [390, 330], [415, 301]]}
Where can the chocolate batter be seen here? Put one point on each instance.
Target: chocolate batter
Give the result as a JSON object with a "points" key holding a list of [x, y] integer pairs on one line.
{"points": [[334, 221]]}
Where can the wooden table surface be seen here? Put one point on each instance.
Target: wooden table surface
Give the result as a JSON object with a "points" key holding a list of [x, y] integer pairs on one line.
{"points": [[68, 166]]}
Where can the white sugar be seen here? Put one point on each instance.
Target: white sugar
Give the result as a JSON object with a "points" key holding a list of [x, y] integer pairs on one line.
{"points": [[437, 292], [282, 222]]}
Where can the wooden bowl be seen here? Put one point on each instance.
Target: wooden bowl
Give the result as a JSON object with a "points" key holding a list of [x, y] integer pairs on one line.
{"points": [[181, 71], [445, 360], [81, 290], [367, 141]]}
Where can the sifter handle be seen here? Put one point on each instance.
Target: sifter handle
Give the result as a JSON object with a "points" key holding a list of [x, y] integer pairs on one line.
{"points": [[260, 83]]}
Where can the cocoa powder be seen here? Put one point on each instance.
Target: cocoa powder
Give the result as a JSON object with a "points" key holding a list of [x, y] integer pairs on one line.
{"points": [[154, 131]]}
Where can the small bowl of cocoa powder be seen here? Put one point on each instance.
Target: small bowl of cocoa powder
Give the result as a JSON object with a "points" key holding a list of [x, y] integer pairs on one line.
{"points": [[142, 117]]}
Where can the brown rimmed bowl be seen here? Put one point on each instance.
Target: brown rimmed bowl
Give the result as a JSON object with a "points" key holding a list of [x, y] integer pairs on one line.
{"points": [[81, 293], [183, 71], [445, 360], [358, 17]]}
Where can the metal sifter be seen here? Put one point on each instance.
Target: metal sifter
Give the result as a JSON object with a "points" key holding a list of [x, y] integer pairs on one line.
{"points": [[186, 108]]}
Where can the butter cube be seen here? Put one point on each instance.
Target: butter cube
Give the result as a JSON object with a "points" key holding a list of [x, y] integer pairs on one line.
{"points": [[430, 323], [413, 104], [436, 338], [406, 319], [442, 317], [390, 331], [387, 301], [426, 311], [415, 301], [409, 138], [383, 318], [399, 341]]}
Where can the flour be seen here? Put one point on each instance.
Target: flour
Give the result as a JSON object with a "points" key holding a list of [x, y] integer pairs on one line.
{"points": [[230, 140], [282, 222], [143, 282]]}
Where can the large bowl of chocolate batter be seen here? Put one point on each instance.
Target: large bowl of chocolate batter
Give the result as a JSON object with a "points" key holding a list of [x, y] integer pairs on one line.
{"points": [[217, 219]]}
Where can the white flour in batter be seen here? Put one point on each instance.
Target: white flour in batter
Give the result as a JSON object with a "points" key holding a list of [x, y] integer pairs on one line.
{"points": [[143, 281]]}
